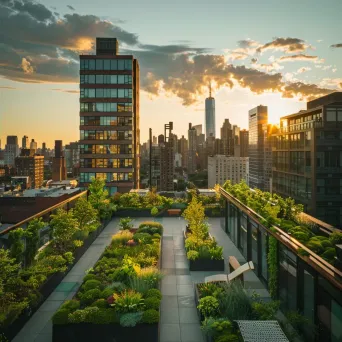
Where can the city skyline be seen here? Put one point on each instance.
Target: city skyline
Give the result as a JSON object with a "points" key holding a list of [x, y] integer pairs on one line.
{"points": [[41, 69]]}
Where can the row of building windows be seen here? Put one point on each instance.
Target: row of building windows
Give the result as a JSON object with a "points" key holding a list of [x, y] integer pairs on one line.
{"points": [[105, 135], [86, 177], [106, 149], [106, 163], [334, 114], [105, 93], [105, 107], [106, 79], [105, 121], [106, 64]]}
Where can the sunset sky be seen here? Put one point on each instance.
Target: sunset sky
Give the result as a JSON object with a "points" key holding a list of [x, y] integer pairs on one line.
{"points": [[275, 53]]}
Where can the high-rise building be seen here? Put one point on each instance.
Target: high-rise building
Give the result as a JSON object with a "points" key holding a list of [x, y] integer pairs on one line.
{"points": [[33, 145], [11, 150], [183, 150], [154, 140], [109, 131], [227, 137], [155, 165], [31, 165], [167, 160], [258, 117], [244, 143], [72, 158], [59, 171], [192, 134], [222, 168], [198, 129], [174, 142], [25, 142], [210, 116], [307, 158], [161, 139]]}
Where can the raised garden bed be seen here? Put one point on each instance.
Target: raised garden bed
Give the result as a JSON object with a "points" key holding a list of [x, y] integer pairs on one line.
{"points": [[49, 286], [88, 332], [108, 316]]}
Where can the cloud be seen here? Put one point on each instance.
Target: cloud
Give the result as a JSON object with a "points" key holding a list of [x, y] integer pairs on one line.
{"points": [[70, 91], [300, 57], [303, 69], [287, 45], [304, 91], [339, 45], [173, 49], [247, 43], [254, 60], [71, 8], [8, 88], [26, 66]]}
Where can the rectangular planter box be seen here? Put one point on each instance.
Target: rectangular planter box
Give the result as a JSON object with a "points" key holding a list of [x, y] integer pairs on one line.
{"points": [[87, 332], [48, 287], [206, 265]]}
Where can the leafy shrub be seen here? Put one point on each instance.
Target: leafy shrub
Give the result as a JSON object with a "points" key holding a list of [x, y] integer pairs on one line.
{"points": [[122, 237], [192, 255], [327, 243], [91, 284], [208, 306], [156, 236], [227, 338], [71, 305], [128, 269], [336, 238], [68, 257], [153, 293], [216, 253], [139, 284], [150, 275], [100, 303], [152, 303], [106, 292], [204, 252], [265, 311], [61, 316], [154, 211], [77, 316], [77, 243], [130, 319], [128, 301], [103, 316], [315, 245], [329, 254], [150, 227], [150, 316], [209, 289], [90, 296], [143, 238], [90, 276], [125, 223]]}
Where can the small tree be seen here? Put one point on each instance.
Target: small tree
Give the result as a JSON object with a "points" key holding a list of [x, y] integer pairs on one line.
{"points": [[86, 215], [32, 239], [64, 226], [99, 198], [194, 213], [154, 211], [125, 223], [17, 245]]}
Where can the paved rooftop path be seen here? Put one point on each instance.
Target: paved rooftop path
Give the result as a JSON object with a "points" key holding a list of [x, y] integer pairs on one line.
{"points": [[39, 327]]}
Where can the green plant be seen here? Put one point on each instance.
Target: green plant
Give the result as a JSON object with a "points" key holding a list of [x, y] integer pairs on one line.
{"points": [[150, 227], [227, 338], [103, 316], [130, 319], [64, 226], [208, 306], [126, 223], [272, 261], [106, 292], [329, 254], [143, 238], [17, 248], [265, 311], [153, 293], [128, 269], [122, 237], [154, 211], [192, 255], [91, 284], [152, 303], [86, 215], [71, 305], [68, 257], [77, 316], [209, 289], [77, 243], [61, 316], [90, 296], [32, 239], [336, 238], [100, 303], [128, 301], [139, 284], [216, 253], [150, 316], [315, 245]]}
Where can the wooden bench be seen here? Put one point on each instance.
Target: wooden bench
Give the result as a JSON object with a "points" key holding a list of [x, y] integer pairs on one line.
{"points": [[174, 212]]}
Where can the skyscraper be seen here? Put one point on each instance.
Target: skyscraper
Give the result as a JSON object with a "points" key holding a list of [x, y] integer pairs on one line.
{"points": [[109, 113], [167, 159], [258, 117], [33, 145], [25, 142], [210, 116], [183, 150], [59, 171], [192, 149], [244, 143], [198, 129], [11, 150], [227, 137]]}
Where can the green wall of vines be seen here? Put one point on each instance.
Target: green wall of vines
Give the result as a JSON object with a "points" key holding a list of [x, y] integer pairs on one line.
{"points": [[272, 259]]}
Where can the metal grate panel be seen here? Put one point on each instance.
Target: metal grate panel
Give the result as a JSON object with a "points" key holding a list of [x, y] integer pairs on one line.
{"points": [[261, 331]]}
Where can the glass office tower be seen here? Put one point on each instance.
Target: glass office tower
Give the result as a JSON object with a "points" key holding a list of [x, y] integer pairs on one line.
{"points": [[109, 117], [210, 117]]}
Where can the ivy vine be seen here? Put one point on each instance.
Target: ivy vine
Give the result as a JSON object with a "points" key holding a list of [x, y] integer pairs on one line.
{"points": [[272, 259]]}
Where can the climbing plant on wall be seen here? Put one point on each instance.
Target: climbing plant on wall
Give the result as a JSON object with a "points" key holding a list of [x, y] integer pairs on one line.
{"points": [[272, 259]]}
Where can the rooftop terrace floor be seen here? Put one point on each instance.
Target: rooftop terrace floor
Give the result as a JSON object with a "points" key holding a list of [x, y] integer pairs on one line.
{"points": [[179, 321]]}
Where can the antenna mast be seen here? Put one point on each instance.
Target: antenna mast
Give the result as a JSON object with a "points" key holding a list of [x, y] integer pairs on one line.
{"points": [[209, 88]]}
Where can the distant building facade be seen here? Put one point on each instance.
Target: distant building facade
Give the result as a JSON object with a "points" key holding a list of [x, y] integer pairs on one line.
{"points": [[307, 158], [244, 138], [192, 134], [210, 130], [59, 171], [11, 150], [222, 168]]}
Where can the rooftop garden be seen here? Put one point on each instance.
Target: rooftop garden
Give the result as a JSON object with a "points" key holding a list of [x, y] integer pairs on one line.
{"points": [[121, 290], [285, 214], [26, 268]]}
